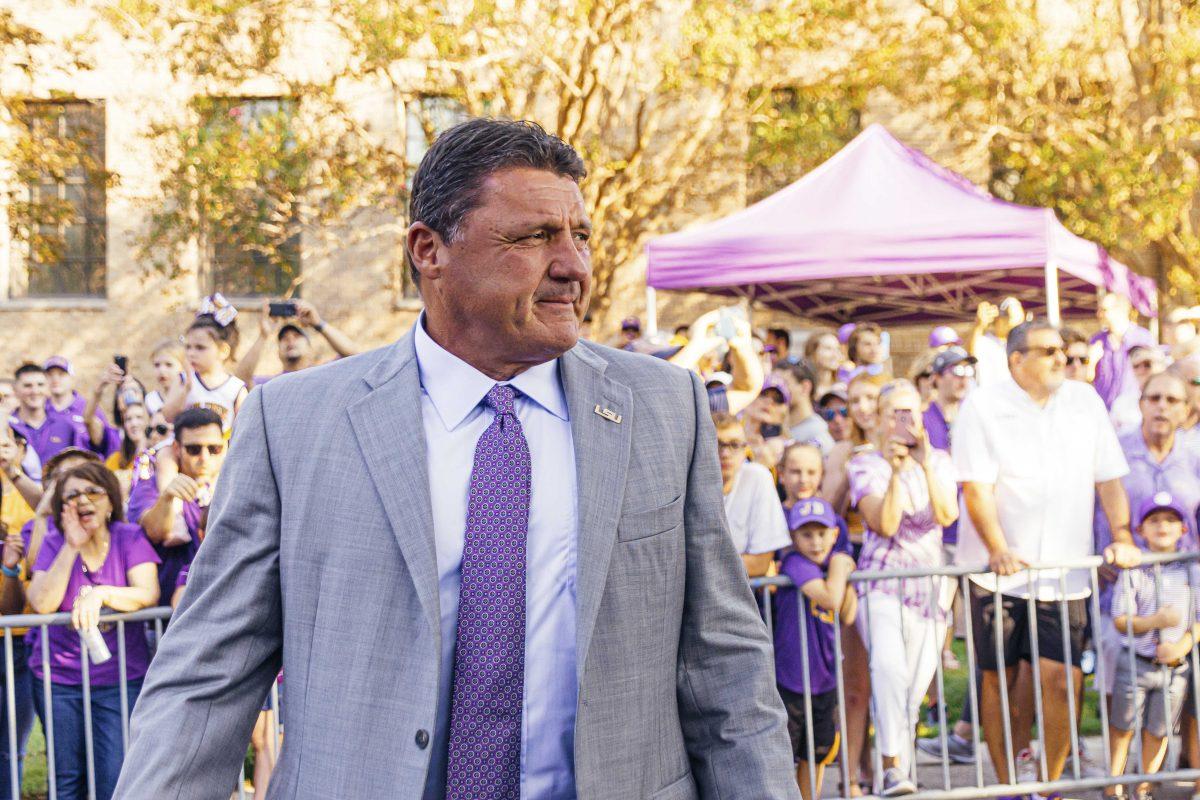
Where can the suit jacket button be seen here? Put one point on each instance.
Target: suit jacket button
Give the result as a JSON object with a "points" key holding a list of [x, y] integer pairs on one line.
{"points": [[422, 738]]}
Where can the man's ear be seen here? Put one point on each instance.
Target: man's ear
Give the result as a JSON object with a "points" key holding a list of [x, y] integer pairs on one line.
{"points": [[424, 246]]}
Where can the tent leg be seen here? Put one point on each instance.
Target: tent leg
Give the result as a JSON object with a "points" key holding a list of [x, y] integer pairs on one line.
{"points": [[651, 311], [1052, 303]]}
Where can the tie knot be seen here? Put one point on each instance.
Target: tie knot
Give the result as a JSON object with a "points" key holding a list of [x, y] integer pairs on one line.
{"points": [[500, 399]]}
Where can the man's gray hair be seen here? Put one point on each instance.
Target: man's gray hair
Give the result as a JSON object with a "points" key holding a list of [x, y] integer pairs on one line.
{"points": [[1018, 337], [449, 180]]}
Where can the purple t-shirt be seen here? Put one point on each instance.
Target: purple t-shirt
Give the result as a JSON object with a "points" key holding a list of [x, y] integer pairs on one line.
{"points": [[1114, 375], [173, 559], [939, 438], [818, 624], [111, 442], [54, 435], [129, 548]]}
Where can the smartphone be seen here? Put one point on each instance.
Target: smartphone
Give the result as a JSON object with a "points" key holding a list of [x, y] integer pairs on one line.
{"points": [[122, 363], [902, 422], [727, 321], [284, 308]]}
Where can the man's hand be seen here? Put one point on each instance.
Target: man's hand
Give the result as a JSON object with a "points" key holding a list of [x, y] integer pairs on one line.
{"points": [[849, 608], [1172, 652], [183, 488], [267, 325], [1123, 555], [1167, 617], [113, 376], [10, 457], [306, 314], [1006, 563], [986, 314]]}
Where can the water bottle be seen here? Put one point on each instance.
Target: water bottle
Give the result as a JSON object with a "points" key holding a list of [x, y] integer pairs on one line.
{"points": [[97, 648]]}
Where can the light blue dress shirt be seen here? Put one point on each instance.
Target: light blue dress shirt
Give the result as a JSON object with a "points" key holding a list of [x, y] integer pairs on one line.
{"points": [[454, 418]]}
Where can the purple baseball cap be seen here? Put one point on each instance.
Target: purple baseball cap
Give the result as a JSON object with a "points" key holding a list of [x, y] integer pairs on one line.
{"points": [[943, 335], [844, 332], [774, 383], [1161, 501], [58, 362], [811, 509]]}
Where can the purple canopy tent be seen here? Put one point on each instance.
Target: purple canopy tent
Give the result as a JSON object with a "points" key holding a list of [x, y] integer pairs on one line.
{"points": [[881, 232]]}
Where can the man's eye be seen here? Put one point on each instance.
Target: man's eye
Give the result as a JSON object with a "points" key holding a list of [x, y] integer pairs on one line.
{"points": [[583, 236]]}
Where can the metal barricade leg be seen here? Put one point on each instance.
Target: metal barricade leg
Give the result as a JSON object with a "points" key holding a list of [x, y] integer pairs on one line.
{"points": [[1035, 665], [88, 743], [843, 757], [802, 611], [1101, 668], [939, 637], [972, 684], [1002, 676], [123, 677], [48, 721], [1069, 669]]}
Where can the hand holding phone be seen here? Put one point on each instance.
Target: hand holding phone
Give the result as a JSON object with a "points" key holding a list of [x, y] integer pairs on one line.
{"points": [[283, 308], [122, 363], [903, 427]]}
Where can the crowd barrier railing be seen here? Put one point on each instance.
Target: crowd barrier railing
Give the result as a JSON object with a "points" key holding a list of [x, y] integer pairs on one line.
{"points": [[1040, 580], [42, 623]]}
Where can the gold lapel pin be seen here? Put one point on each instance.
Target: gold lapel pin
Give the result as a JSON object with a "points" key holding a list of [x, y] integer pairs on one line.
{"points": [[609, 414]]}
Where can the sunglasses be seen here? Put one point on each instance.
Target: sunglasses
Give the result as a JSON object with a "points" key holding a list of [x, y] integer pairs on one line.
{"points": [[161, 430], [828, 414], [1049, 351], [962, 371], [1078, 361], [1170, 399], [94, 494], [197, 449]]}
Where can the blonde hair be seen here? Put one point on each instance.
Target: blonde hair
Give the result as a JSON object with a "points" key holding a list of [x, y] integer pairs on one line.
{"points": [[858, 436], [170, 347]]}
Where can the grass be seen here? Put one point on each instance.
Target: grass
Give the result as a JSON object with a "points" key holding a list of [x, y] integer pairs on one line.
{"points": [[956, 693]]}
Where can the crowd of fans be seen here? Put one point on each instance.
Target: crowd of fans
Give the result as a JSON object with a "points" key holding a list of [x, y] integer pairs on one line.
{"points": [[107, 512], [1017, 442]]}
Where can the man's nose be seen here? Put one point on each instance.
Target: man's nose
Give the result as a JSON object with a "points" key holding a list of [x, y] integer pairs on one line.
{"points": [[570, 263]]}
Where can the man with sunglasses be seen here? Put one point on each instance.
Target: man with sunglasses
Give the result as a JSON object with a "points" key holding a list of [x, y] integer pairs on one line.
{"points": [[1033, 453], [171, 518]]}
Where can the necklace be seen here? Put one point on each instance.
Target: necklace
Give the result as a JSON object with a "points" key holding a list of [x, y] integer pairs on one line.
{"points": [[88, 573]]}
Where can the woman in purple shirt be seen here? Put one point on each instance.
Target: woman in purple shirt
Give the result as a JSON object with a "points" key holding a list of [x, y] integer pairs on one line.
{"points": [[906, 492], [98, 560]]}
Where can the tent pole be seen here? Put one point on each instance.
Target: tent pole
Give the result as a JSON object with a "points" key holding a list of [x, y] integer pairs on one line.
{"points": [[651, 311], [1052, 306]]}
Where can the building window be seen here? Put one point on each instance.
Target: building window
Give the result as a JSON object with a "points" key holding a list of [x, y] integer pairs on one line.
{"points": [[247, 254], [425, 117], [62, 219]]}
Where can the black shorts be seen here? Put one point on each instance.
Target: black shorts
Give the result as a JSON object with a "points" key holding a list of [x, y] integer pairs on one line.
{"points": [[1017, 643], [824, 725]]}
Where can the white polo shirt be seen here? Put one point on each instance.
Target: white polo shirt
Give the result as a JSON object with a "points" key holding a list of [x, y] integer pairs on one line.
{"points": [[755, 515], [1045, 463]]}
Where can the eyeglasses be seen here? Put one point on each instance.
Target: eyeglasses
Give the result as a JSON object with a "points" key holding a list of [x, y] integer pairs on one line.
{"points": [[828, 414], [197, 449], [1170, 399], [1049, 351], [1080, 361], [92, 493], [161, 430], [731, 446]]}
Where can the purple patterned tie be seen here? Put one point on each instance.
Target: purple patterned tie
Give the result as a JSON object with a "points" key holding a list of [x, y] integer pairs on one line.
{"points": [[484, 760]]}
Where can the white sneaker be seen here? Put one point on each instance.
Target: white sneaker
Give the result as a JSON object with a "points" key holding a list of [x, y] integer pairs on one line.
{"points": [[1027, 766], [896, 783], [1088, 768]]}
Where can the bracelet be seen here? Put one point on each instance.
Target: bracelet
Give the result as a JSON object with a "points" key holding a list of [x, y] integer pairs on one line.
{"points": [[10, 572]]}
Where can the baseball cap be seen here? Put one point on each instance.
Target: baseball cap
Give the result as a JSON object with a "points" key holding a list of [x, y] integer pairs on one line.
{"points": [[774, 383], [950, 357], [838, 390], [631, 324], [58, 362], [844, 332], [290, 327], [1161, 501], [811, 509], [943, 335]]}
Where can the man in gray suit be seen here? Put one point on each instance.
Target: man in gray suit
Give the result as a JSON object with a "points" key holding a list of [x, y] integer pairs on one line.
{"points": [[491, 559]]}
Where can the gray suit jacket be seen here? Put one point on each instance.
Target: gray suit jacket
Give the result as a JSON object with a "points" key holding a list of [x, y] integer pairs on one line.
{"points": [[320, 558]]}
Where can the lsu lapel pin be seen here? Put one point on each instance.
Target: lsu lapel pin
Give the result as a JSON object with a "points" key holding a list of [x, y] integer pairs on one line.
{"points": [[609, 414]]}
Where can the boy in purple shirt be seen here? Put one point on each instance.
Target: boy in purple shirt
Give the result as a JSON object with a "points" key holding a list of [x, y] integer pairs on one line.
{"points": [[46, 433], [62, 400], [806, 659]]}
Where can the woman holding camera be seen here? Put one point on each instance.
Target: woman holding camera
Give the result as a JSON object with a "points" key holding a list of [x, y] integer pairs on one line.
{"points": [[906, 492], [97, 561]]}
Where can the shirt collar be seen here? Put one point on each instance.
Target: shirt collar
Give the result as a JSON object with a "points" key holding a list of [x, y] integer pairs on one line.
{"points": [[455, 387]]}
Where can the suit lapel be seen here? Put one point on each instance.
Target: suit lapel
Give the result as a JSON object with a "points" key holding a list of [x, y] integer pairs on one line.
{"points": [[601, 459], [387, 423]]}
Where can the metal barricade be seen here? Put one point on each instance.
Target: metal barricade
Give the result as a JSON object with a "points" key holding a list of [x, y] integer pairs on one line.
{"points": [[1041, 589], [42, 623]]}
